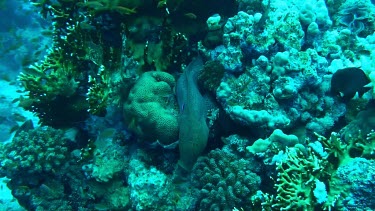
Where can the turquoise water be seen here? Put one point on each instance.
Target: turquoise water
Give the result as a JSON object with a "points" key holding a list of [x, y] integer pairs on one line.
{"points": [[187, 105]]}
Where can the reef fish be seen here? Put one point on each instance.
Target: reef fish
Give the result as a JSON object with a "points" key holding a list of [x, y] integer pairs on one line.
{"points": [[349, 81], [193, 129]]}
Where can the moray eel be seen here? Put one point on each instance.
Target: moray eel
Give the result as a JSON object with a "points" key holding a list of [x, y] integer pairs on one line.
{"points": [[193, 130]]}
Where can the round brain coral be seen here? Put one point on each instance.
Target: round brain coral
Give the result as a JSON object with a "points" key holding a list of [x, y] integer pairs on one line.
{"points": [[150, 109]]}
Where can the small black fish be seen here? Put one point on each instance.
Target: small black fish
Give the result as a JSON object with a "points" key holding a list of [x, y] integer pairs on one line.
{"points": [[5, 77], [18, 117], [14, 128], [26, 126], [349, 81], [15, 100]]}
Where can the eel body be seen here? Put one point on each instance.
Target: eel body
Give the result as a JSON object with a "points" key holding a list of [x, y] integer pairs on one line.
{"points": [[193, 129]]}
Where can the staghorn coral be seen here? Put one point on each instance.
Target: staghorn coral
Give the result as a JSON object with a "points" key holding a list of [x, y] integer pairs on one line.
{"points": [[224, 181]]}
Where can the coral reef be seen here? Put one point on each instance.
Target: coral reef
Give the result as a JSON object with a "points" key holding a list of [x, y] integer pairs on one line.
{"points": [[297, 179], [271, 115], [357, 178], [269, 148], [313, 176], [38, 151], [108, 162], [247, 98], [46, 171], [211, 75], [148, 186], [151, 187], [57, 78], [150, 108], [33, 161], [224, 181], [295, 69], [358, 16]]}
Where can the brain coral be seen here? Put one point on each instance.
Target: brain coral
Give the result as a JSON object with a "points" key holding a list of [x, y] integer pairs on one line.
{"points": [[150, 108]]}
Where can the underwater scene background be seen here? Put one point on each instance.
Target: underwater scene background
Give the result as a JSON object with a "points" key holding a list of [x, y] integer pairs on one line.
{"points": [[187, 105]]}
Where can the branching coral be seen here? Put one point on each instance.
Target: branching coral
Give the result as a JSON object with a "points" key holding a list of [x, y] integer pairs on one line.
{"points": [[55, 84], [355, 146], [52, 88], [311, 177], [82, 72], [110, 86], [297, 176], [36, 152]]}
